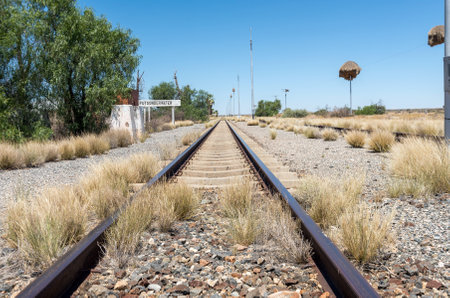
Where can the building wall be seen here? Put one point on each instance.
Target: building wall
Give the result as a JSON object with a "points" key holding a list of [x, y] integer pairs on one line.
{"points": [[128, 117]]}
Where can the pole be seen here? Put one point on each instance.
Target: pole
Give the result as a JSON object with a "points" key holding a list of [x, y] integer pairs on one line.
{"points": [[173, 115], [350, 97], [239, 99], [285, 104], [234, 100], [251, 67], [446, 73]]}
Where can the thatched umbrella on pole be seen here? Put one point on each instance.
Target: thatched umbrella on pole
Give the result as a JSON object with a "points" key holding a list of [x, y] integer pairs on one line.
{"points": [[436, 36], [349, 70]]}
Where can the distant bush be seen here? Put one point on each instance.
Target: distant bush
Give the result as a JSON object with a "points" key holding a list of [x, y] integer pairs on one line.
{"points": [[340, 112], [373, 109], [268, 108], [321, 112], [299, 113]]}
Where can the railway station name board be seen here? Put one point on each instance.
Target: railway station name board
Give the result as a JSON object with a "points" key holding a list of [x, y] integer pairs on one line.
{"points": [[160, 103]]}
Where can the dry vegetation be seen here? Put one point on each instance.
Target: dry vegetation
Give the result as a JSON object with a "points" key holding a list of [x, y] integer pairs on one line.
{"points": [[335, 205], [32, 154], [254, 122], [190, 137], [420, 167], [330, 135], [273, 134], [381, 141], [167, 151], [41, 228], [312, 133], [262, 220], [356, 139]]}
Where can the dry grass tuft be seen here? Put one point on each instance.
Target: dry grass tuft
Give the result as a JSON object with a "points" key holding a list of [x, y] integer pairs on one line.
{"points": [[122, 239], [99, 144], [190, 137], [167, 151], [330, 134], [273, 134], [298, 130], [82, 148], [311, 133], [167, 126], [66, 150], [364, 231], [253, 122], [398, 187], [244, 227], [10, 157], [280, 227], [289, 128], [210, 123], [325, 199], [262, 124], [184, 123], [185, 201], [356, 139], [381, 141], [424, 162], [52, 152], [34, 153], [236, 198], [41, 228], [118, 138]]}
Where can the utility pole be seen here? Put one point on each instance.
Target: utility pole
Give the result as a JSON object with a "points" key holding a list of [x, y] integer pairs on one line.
{"points": [[285, 95], [234, 99], [239, 99], [231, 100], [251, 67], [447, 72]]}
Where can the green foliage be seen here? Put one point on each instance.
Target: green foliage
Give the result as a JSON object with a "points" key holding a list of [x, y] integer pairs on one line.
{"points": [[373, 109], [195, 105], [299, 113], [268, 108], [56, 57]]}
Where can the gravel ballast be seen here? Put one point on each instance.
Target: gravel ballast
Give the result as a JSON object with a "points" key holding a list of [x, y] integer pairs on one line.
{"points": [[419, 262]]}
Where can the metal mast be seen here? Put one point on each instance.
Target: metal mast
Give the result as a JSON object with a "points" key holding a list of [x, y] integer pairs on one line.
{"points": [[251, 68], [447, 72], [239, 99]]}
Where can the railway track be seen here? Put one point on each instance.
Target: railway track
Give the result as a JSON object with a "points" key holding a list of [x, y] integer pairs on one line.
{"points": [[398, 135], [217, 159]]}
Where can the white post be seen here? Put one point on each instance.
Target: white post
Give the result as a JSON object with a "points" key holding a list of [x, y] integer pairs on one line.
{"points": [[173, 115], [251, 68], [239, 99], [447, 72]]}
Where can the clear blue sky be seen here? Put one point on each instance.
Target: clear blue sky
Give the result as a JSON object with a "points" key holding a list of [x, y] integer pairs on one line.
{"points": [[299, 45]]}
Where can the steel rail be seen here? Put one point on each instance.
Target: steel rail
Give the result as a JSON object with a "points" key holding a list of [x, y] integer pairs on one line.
{"points": [[340, 274], [63, 277], [398, 135]]}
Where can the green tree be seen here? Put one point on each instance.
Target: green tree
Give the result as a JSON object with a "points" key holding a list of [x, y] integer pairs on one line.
{"points": [[268, 108], [164, 90]]}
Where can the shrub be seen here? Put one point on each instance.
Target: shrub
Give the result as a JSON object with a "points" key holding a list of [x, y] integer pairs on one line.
{"points": [[365, 231], [66, 150], [82, 148], [184, 200], [325, 200], [278, 225], [299, 113], [298, 130], [99, 144], [167, 151], [52, 152], [340, 112], [167, 126], [124, 138], [122, 239], [42, 227], [236, 198], [190, 137], [356, 139], [34, 153], [373, 109], [422, 161], [252, 122], [165, 212], [381, 141], [11, 157], [329, 134], [243, 228], [273, 134], [311, 133], [262, 124]]}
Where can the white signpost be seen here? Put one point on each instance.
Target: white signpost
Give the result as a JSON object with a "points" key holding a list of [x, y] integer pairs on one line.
{"points": [[148, 103]]}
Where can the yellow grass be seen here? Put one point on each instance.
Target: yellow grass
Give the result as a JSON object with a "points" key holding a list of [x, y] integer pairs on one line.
{"points": [[184, 123], [66, 150], [356, 139], [311, 133], [11, 157], [364, 231], [422, 161], [236, 198], [81, 146], [243, 227], [330, 135], [190, 137], [381, 141], [273, 134], [253, 122]]}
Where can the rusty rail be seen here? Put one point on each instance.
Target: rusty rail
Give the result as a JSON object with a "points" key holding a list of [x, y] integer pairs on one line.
{"points": [[340, 274]]}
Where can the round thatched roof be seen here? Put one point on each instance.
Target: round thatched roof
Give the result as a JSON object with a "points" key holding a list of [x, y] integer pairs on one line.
{"points": [[349, 70], [436, 35]]}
